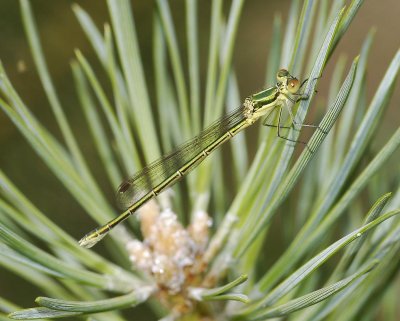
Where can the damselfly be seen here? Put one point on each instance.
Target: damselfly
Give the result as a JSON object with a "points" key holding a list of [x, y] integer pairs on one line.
{"points": [[166, 171]]}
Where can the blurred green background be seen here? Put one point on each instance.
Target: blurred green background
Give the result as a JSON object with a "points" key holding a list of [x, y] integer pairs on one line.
{"points": [[60, 34]]}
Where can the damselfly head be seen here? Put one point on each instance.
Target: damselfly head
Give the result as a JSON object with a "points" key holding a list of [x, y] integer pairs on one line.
{"points": [[287, 80]]}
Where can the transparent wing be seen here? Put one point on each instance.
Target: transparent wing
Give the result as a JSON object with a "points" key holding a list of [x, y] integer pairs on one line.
{"points": [[143, 182]]}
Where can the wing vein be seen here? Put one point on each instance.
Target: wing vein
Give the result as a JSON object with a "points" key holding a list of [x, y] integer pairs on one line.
{"points": [[140, 184]]}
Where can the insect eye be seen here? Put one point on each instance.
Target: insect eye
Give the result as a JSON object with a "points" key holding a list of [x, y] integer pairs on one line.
{"points": [[293, 86], [282, 73]]}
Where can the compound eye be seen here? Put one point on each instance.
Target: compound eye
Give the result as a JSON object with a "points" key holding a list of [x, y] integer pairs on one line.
{"points": [[282, 73], [293, 85]]}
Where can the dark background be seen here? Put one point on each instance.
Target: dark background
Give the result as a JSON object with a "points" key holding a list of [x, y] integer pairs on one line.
{"points": [[60, 33]]}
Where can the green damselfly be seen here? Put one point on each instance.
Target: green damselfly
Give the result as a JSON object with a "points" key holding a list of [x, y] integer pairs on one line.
{"points": [[166, 171]]}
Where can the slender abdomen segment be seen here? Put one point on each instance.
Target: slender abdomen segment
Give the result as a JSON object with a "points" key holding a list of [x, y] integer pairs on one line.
{"points": [[96, 235]]}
